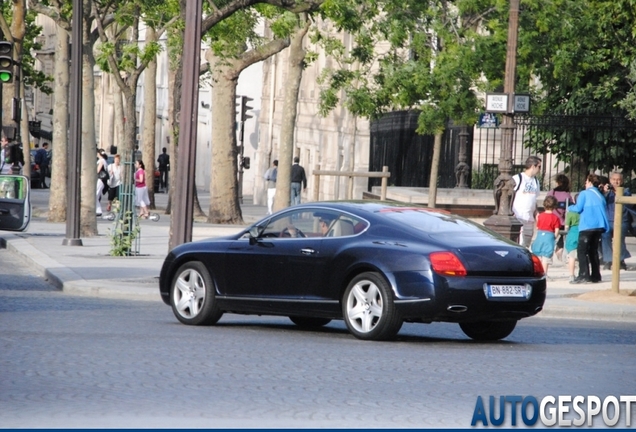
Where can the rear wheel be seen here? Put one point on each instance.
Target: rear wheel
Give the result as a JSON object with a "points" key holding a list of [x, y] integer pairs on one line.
{"points": [[368, 309], [192, 295], [488, 330], [308, 322]]}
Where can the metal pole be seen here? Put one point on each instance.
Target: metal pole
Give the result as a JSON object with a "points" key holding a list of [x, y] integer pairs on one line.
{"points": [[184, 186], [240, 168], [504, 221], [75, 147]]}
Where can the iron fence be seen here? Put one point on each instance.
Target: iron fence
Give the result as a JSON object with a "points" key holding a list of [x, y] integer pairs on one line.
{"points": [[572, 145]]}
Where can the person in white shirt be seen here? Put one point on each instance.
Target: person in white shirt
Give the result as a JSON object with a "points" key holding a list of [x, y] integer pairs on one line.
{"points": [[524, 205], [270, 177], [114, 171], [5, 167]]}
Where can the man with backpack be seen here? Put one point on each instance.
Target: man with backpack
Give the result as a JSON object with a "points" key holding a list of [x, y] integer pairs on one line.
{"points": [[524, 204]]}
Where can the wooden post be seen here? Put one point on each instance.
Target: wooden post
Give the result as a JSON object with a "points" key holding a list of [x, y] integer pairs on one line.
{"points": [[316, 183], [385, 181], [616, 240], [350, 191], [619, 201], [385, 174]]}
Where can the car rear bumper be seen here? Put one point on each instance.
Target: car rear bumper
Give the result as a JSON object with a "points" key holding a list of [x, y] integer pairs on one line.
{"points": [[462, 299]]}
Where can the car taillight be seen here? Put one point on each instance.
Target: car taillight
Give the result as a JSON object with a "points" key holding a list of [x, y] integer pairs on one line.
{"points": [[537, 267], [447, 263]]}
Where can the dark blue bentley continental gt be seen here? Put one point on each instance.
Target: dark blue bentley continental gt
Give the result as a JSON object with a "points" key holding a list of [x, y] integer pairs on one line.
{"points": [[373, 264]]}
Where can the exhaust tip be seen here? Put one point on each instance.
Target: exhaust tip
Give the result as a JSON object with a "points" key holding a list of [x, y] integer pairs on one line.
{"points": [[539, 309], [457, 308]]}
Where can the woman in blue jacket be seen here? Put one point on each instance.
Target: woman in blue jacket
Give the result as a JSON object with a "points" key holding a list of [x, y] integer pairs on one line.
{"points": [[590, 204]]}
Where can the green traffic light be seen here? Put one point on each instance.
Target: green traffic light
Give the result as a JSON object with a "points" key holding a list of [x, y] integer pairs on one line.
{"points": [[5, 76]]}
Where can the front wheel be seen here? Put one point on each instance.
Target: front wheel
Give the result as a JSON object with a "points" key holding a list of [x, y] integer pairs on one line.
{"points": [[368, 308], [192, 295], [488, 330]]}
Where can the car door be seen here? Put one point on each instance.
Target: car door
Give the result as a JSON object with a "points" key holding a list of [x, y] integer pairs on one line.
{"points": [[282, 262], [15, 203]]}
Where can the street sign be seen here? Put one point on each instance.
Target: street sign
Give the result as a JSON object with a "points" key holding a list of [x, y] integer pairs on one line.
{"points": [[497, 102], [488, 120], [521, 103]]}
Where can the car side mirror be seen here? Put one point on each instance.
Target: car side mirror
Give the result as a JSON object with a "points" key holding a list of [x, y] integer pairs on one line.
{"points": [[15, 203], [254, 233]]}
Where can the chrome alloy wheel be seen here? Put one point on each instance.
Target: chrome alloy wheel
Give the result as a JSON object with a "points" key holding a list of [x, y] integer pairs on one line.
{"points": [[368, 308], [189, 293], [364, 306]]}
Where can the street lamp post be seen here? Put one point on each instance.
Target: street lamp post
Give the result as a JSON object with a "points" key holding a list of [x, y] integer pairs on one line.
{"points": [[75, 143], [503, 220]]}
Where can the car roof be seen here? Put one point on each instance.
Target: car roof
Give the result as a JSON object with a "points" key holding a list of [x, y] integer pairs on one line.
{"points": [[370, 206]]}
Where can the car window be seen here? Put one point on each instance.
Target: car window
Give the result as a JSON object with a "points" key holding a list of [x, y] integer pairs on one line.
{"points": [[313, 223], [429, 221], [15, 203], [292, 224]]}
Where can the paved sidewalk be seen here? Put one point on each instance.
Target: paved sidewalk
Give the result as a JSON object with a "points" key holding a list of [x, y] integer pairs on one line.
{"points": [[90, 270]]}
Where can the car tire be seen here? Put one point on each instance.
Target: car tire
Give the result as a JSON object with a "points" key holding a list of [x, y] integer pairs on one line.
{"points": [[192, 295], [368, 308], [488, 330], [309, 322]]}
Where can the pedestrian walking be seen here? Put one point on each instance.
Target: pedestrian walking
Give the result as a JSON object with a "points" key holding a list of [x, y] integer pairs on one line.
{"points": [[164, 167], [591, 205], [42, 160], [5, 156], [615, 180], [572, 240], [142, 200], [114, 171], [270, 177], [298, 180], [548, 225], [102, 179], [562, 194], [524, 204]]}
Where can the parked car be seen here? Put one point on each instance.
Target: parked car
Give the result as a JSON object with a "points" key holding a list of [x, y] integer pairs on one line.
{"points": [[373, 264]]}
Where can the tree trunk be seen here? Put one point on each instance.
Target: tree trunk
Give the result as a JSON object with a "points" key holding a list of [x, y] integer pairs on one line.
{"points": [[148, 130], [118, 123], [59, 165], [173, 133], [88, 181], [224, 203], [290, 110], [432, 188], [224, 187], [130, 120]]}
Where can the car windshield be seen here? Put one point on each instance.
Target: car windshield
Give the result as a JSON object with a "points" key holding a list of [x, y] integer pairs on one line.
{"points": [[430, 220]]}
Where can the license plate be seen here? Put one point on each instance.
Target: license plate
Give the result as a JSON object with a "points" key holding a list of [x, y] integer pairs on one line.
{"points": [[497, 291]]}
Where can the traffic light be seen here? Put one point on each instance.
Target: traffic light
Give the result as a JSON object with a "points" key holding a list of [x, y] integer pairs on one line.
{"points": [[245, 107], [6, 62]]}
